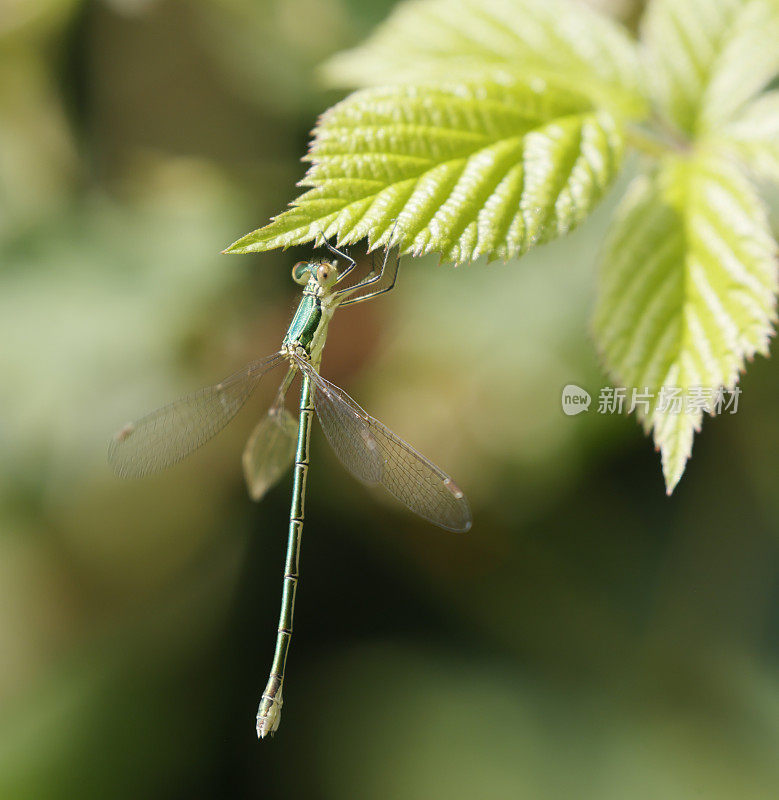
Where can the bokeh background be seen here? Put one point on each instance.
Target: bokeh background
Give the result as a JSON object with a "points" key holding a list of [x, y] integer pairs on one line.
{"points": [[589, 638]]}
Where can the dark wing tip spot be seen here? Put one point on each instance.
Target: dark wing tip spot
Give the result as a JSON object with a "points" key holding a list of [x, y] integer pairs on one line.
{"points": [[125, 432], [454, 489]]}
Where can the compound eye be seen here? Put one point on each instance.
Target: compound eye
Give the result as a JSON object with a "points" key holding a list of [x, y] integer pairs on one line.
{"points": [[300, 272], [325, 273]]}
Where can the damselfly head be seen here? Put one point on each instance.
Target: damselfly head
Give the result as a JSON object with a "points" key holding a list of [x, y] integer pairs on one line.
{"points": [[324, 272]]}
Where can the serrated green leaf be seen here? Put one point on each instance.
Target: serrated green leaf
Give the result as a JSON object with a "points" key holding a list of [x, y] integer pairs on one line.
{"points": [[754, 137], [432, 39], [466, 170], [687, 288], [705, 59]]}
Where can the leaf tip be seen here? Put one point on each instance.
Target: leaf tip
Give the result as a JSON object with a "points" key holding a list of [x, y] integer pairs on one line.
{"points": [[675, 453], [672, 478]]}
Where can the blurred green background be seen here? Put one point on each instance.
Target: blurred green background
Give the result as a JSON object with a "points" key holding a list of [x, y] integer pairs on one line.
{"points": [[589, 638]]}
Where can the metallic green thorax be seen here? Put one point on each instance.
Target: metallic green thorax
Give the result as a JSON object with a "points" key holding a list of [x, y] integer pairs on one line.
{"points": [[306, 321], [308, 328]]}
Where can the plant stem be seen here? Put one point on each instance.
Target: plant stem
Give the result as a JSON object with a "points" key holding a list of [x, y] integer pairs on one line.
{"points": [[655, 139], [647, 142]]}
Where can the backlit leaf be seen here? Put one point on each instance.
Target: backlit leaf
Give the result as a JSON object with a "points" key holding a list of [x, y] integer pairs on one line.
{"points": [[467, 169], [686, 294], [705, 59], [430, 39], [754, 137]]}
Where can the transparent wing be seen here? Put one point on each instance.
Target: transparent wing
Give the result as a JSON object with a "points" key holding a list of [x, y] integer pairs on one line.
{"points": [[270, 451], [347, 430], [374, 454], [165, 436]]}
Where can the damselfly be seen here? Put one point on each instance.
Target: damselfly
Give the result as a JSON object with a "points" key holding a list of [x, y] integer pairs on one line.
{"points": [[368, 449]]}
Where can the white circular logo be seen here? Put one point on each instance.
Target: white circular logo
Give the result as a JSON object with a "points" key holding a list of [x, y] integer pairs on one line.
{"points": [[575, 400]]}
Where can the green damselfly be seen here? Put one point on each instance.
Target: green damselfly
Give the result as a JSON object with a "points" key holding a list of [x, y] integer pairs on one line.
{"points": [[368, 449]]}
